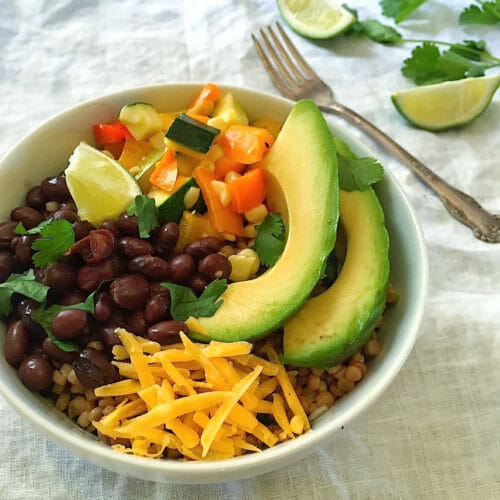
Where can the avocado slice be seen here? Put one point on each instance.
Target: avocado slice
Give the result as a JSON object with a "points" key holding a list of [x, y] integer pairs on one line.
{"points": [[334, 325], [302, 179]]}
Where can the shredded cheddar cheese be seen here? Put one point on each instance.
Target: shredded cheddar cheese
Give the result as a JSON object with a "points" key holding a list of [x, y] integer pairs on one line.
{"points": [[201, 400]]}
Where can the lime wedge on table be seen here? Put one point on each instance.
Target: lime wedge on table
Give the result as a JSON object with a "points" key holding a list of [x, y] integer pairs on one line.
{"points": [[446, 105], [316, 18], [101, 187]]}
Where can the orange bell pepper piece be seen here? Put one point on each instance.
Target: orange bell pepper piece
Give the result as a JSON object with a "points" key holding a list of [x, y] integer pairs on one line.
{"points": [[204, 102], [200, 118], [246, 144], [223, 219], [133, 152], [225, 165], [165, 173], [247, 191]]}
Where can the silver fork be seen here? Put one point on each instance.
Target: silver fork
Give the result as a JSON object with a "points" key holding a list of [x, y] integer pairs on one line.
{"points": [[295, 79]]}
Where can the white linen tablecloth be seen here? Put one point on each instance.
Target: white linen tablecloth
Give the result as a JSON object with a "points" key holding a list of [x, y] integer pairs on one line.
{"points": [[436, 431]]}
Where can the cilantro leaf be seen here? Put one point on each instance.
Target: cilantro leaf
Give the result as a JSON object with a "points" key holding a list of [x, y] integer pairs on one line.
{"points": [[379, 32], [56, 237], [147, 215], [44, 318], [184, 302], [20, 229], [399, 9], [270, 240], [357, 174], [427, 65], [484, 13], [24, 284]]}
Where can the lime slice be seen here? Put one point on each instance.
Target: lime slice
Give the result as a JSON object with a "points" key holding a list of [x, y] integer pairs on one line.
{"points": [[316, 18], [101, 187], [446, 105]]}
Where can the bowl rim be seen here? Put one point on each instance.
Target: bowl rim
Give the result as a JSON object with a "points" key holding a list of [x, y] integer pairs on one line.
{"points": [[253, 463]]}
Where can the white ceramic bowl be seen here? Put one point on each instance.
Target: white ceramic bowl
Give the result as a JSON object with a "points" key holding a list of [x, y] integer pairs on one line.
{"points": [[45, 152]]}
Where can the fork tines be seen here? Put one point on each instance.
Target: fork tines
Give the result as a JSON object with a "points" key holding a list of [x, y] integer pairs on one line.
{"points": [[286, 67]]}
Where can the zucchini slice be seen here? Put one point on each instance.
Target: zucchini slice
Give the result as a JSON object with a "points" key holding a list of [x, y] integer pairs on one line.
{"points": [[141, 120], [172, 208], [192, 133]]}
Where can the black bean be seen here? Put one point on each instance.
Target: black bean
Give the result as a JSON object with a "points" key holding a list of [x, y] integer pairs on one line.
{"points": [[120, 265], [82, 229], [61, 277], [215, 266], [65, 214], [136, 323], [130, 292], [110, 225], [69, 323], [69, 205], [26, 310], [168, 236], [181, 267], [197, 283], [72, 298], [16, 343], [55, 354], [203, 247], [128, 224], [55, 189], [108, 335], [7, 263], [155, 268], [95, 247], [103, 307], [167, 332], [23, 251], [93, 368], [133, 247], [90, 276], [35, 199], [27, 215], [159, 289], [6, 234], [36, 373], [157, 309]]}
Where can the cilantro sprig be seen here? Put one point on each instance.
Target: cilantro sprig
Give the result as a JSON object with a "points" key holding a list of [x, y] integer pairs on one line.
{"points": [[44, 318], [184, 303], [56, 237], [145, 210], [483, 13], [24, 284], [270, 240], [429, 64], [399, 9]]}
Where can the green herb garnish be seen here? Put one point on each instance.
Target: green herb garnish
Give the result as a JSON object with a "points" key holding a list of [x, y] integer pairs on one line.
{"points": [[184, 303], [144, 209], [270, 240], [358, 174], [483, 13], [57, 236], [44, 318], [24, 284], [399, 9]]}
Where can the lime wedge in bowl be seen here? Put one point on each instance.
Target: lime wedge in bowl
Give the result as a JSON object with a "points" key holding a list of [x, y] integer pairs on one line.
{"points": [[316, 18], [446, 105], [101, 187]]}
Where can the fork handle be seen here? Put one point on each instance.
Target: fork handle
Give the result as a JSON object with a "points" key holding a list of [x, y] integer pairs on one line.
{"points": [[460, 205]]}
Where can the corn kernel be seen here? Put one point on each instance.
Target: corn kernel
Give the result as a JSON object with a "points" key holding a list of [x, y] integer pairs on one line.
{"points": [[207, 164], [51, 206], [134, 171], [251, 254], [250, 231], [231, 176], [221, 189], [214, 153], [191, 197], [257, 214], [158, 140], [229, 236]]}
